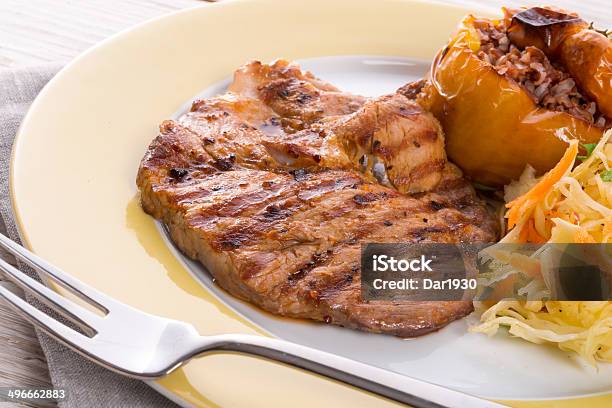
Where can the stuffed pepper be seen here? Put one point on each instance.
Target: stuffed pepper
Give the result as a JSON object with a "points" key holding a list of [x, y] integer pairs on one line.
{"points": [[512, 92]]}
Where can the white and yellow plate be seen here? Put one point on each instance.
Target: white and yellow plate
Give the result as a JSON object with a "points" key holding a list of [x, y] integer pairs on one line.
{"points": [[73, 189]]}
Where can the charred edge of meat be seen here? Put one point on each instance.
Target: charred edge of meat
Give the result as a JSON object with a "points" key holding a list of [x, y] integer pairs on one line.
{"points": [[244, 226], [275, 212], [412, 89], [363, 199], [317, 260], [346, 278], [303, 98], [225, 163], [231, 241], [299, 174], [410, 110], [436, 206], [178, 174]]}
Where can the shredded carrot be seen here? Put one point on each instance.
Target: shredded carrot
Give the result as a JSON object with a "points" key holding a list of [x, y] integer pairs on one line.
{"points": [[548, 223], [532, 234], [552, 213], [525, 203], [529, 234], [524, 234]]}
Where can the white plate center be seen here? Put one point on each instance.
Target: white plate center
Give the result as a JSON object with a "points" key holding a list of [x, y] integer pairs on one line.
{"points": [[499, 367]]}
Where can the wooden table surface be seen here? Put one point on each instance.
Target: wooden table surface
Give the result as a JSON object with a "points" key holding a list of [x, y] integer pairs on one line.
{"points": [[42, 31]]}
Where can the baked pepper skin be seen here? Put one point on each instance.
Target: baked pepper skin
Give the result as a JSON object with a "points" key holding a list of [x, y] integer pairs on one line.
{"points": [[587, 55], [493, 127]]}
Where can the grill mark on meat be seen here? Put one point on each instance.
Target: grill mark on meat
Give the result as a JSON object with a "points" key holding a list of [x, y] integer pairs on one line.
{"points": [[263, 192], [293, 95], [453, 187], [229, 135], [350, 237], [241, 205], [346, 278], [178, 174], [286, 236], [435, 205], [322, 290], [237, 199], [299, 174], [421, 234], [363, 199], [363, 230], [321, 260], [412, 89], [274, 212], [225, 163], [318, 259], [301, 103], [409, 111], [357, 230], [289, 203], [231, 241], [343, 182], [401, 135], [412, 233], [426, 168], [370, 229]]}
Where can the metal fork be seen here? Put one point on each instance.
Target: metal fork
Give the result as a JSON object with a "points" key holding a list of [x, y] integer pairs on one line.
{"points": [[147, 347]]}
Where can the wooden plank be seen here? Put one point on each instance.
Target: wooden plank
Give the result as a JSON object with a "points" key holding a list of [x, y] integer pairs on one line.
{"points": [[39, 31]]}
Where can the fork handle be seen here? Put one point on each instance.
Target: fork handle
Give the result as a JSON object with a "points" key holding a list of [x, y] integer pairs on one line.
{"points": [[395, 386]]}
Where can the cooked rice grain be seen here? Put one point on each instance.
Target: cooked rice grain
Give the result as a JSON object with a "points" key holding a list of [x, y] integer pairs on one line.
{"points": [[545, 81]]}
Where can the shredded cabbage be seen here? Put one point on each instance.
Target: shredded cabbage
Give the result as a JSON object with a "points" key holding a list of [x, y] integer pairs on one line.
{"points": [[575, 209]]}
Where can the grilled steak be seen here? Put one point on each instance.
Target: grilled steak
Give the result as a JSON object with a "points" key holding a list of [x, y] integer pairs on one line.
{"points": [[275, 185]]}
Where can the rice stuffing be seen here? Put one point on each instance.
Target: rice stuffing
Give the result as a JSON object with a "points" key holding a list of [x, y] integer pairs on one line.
{"points": [[548, 84]]}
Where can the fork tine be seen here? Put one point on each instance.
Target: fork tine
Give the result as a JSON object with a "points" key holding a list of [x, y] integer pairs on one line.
{"points": [[82, 290], [79, 315], [58, 330]]}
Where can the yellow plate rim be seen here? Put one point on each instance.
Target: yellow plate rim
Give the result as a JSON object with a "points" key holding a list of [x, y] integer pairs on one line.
{"points": [[21, 225]]}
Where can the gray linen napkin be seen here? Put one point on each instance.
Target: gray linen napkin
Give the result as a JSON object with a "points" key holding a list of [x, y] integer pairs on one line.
{"points": [[86, 384]]}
